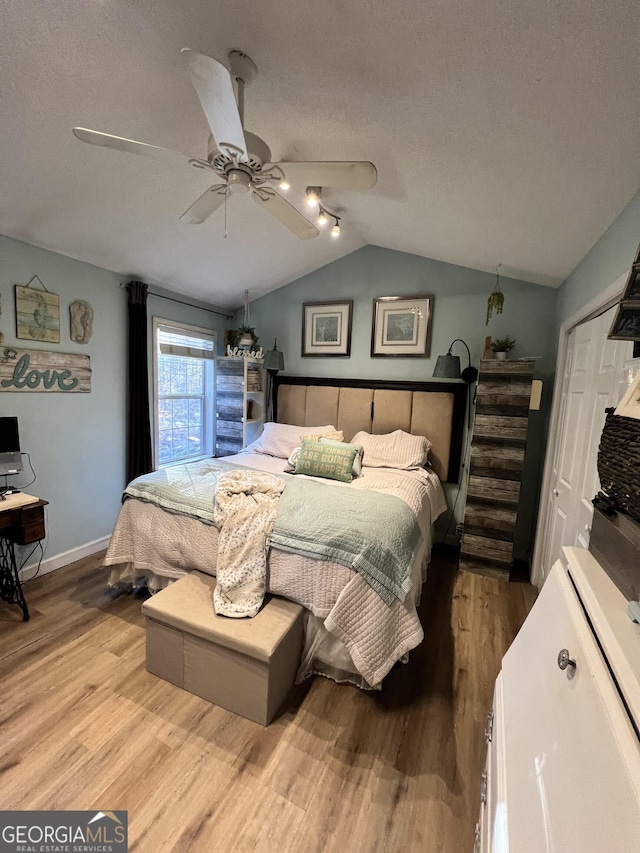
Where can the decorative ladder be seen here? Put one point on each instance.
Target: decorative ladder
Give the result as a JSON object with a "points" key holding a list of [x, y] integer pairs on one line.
{"points": [[497, 456]]}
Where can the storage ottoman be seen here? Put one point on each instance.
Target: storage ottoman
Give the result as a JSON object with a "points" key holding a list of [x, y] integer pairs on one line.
{"points": [[247, 666]]}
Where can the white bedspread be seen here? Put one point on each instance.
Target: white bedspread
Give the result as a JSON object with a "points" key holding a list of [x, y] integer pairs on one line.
{"points": [[147, 541]]}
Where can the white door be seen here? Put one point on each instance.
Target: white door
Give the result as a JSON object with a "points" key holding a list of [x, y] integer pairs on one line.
{"points": [[594, 379]]}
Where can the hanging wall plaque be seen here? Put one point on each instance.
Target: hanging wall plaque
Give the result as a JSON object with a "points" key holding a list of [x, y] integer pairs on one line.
{"points": [[81, 317], [37, 370], [37, 313]]}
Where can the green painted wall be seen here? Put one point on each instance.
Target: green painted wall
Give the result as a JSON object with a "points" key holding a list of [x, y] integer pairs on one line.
{"points": [[459, 312], [77, 442], [609, 258]]}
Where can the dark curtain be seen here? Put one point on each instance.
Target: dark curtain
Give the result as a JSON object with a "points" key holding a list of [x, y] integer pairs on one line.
{"points": [[139, 456]]}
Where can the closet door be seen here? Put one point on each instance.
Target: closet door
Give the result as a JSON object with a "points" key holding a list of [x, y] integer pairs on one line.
{"points": [[594, 379], [609, 359], [569, 461]]}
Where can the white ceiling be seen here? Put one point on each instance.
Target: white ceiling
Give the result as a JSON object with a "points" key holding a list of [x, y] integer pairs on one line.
{"points": [[503, 131]]}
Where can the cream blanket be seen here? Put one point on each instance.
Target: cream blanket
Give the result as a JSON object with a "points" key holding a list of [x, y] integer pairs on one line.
{"points": [[245, 509]]}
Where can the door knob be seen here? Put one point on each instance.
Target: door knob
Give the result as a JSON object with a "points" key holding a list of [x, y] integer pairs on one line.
{"points": [[565, 662], [555, 493]]}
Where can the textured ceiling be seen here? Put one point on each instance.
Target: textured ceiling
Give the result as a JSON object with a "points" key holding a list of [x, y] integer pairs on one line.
{"points": [[503, 131]]}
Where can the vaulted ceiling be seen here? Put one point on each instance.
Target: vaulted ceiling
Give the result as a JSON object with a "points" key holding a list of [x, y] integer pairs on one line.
{"points": [[503, 131]]}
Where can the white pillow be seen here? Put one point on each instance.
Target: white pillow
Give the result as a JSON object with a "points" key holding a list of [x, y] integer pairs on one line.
{"points": [[394, 450], [282, 439]]}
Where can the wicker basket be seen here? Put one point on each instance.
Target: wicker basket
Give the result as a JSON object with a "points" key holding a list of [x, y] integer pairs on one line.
{"points": [[619, 463]]}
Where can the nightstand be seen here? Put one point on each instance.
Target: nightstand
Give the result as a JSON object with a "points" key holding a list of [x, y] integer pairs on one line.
{"points": [[21, 523]]}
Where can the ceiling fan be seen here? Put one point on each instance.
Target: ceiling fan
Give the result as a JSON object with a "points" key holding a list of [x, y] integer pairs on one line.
{"points": [[239, 160]]}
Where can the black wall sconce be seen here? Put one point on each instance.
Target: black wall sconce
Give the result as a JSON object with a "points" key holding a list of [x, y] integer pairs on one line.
{"points": [[448, 366]]}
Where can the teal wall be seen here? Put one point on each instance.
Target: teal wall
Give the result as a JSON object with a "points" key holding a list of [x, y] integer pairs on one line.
{"points": [[609, 258], [460, 301], [77, 442]]}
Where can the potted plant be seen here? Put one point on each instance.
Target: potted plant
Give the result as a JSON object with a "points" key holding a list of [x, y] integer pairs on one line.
{"points": [[244, 337], [502, 347]]}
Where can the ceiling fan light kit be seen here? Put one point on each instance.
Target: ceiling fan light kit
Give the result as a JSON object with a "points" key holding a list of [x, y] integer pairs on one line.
{"points": [[239, 160], [313, 196]]}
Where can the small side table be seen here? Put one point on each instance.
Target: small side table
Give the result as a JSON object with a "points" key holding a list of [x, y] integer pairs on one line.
{"points": [[21, 523]]}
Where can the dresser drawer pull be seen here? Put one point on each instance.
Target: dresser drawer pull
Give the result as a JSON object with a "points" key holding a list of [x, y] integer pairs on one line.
{"points": [[488, 728], [483, 789], [565, 662]]}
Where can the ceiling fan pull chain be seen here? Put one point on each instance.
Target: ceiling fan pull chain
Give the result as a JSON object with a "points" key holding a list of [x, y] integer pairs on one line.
{"points": [[226, 195]]}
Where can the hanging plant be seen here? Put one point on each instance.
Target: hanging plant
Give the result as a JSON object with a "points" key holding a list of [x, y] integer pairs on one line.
{"points": [[236, 335], [495, 300], [245, 336]]}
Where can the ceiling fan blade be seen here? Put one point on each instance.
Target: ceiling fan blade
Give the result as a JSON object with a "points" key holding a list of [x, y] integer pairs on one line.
{"points": [[357, 175], [214, 88], [203, 207], [286, 214], [119, 143]]}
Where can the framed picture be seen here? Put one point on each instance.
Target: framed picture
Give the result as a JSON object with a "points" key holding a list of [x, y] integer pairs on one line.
{"points": [[626, 326], [37, 315], [630, 404], [401, 326], [632, 290], [326, 328]]}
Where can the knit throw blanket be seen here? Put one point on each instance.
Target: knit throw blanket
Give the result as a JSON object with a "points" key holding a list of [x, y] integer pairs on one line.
{"points": [[245, 509]]}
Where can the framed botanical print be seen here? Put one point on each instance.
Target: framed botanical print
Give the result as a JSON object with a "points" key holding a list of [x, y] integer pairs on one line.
{"points": [[326, 328], [401, 326]]}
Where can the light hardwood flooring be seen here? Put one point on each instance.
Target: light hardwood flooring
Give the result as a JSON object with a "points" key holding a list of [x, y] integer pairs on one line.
{"points": [[84, 726]]}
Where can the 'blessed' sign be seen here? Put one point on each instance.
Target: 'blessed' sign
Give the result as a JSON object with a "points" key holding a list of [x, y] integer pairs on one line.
{"points": [[37, 370]]}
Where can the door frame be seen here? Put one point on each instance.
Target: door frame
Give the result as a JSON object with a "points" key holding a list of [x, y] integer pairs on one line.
{"points": [[604, 300]]}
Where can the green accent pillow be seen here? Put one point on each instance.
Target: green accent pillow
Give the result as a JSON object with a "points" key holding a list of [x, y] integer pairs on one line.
{"points": [[357, 462], [332, 461]]}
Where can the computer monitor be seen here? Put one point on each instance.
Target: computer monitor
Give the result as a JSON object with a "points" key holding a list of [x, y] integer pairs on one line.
{"points": [[10, 456]]}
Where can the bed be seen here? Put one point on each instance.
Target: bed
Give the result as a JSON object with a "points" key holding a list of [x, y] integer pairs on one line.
{"points": [[352, 633]]}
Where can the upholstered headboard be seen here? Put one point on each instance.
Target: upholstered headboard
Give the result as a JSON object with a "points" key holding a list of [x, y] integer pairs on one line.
{"points": [[433, 409]]}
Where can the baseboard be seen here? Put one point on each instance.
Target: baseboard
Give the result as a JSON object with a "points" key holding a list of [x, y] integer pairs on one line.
{"points": [[61, 560]]}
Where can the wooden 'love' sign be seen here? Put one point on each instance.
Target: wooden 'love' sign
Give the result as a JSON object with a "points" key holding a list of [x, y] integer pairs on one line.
{"points": [[37, 370]]}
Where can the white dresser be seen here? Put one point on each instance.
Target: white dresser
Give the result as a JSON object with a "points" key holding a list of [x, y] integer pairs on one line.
{"points": [[563, 744]]}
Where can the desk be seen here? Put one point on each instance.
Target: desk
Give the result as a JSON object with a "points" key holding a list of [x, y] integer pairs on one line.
{"points": [[21, 523]]}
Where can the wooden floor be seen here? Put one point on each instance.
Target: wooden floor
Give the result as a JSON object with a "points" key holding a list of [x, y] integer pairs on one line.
{"points": [[84, 726]]}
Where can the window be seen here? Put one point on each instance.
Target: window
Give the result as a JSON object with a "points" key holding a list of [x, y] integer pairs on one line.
{"points": [[184, 364]]}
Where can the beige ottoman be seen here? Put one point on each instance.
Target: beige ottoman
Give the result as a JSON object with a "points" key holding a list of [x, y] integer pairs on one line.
{"points": [[244, 665]]}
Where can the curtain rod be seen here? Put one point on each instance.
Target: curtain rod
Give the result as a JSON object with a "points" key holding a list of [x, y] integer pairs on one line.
{"points": [[182, 302]]}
